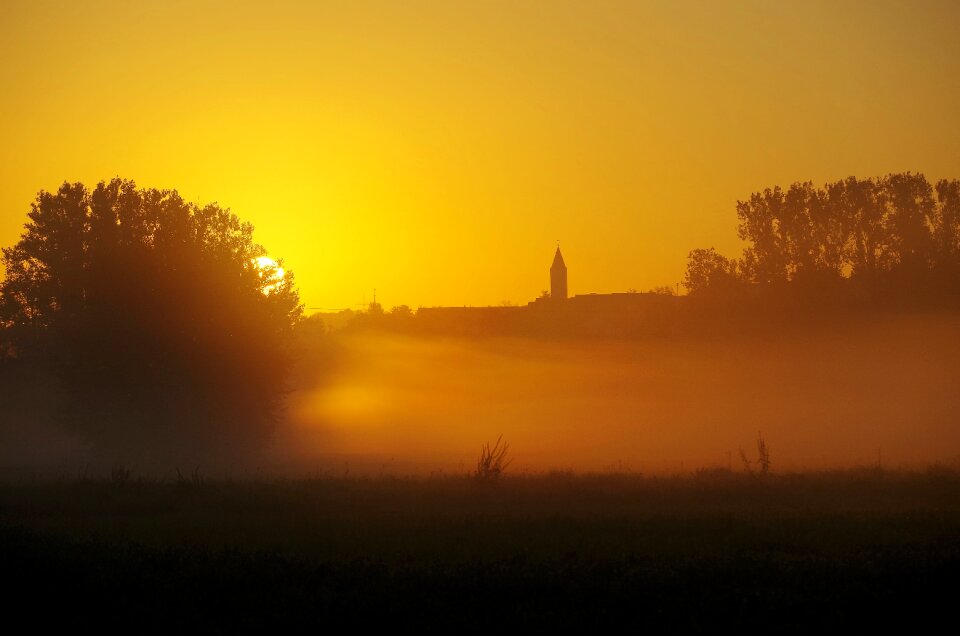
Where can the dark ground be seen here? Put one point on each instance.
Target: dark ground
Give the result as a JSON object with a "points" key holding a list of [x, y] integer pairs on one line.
{"points": [[715, 550]]}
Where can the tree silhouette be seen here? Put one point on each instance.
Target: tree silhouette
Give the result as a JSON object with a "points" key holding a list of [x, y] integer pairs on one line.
{"points": [[947, 227], [761, 221], [895, 237], [163, 330], [911, 219], [859, 205], [707, 269]]}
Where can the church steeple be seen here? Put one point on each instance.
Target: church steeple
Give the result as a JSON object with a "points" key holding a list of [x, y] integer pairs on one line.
{"points": [[558, 277]]}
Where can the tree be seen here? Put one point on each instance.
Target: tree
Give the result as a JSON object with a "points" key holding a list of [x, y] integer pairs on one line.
{"points": [[402, 312], [911, 219], [707, 269], [859, 206], [164, 330], [761, 222], [896, 237], [948, 222]]}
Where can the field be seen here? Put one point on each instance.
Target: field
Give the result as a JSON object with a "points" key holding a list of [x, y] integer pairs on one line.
{"points": [[712, 549]]}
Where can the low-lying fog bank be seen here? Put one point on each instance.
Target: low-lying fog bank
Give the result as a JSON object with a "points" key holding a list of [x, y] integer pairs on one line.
{"points": [[883, 394], [886, 393]]}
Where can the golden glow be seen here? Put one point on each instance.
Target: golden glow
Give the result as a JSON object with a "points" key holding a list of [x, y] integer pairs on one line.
{"points": [[436, 151], [657, 406], [271, 271]]}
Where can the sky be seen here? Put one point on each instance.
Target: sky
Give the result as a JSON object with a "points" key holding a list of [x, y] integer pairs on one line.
{"points": [[437, 151]]}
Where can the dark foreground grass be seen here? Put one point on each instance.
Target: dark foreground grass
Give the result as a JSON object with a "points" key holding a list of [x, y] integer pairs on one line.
{"points": [[716, 550]]}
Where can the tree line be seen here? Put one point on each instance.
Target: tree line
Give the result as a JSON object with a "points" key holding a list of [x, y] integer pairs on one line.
{"points": [[887, 237]]}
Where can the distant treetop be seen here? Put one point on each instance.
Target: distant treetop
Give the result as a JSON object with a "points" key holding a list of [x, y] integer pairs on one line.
{"points": [[888, 235]]}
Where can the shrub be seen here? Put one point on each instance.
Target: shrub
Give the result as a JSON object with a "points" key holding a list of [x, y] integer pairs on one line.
{"points": [[492, 461], [763, 455]]}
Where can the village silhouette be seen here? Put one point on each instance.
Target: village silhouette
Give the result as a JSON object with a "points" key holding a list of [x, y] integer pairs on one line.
{"points": [[554, 312]]}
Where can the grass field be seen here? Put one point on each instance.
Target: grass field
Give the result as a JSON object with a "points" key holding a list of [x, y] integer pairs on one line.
{"points": [[714, 549]]}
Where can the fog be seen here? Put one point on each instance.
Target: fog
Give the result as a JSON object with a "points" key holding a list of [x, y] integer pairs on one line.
{"points": [[882, 394]]}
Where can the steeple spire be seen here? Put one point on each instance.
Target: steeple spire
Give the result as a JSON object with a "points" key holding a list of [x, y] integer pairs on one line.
{"points": [[558, 276], [558, 260]]}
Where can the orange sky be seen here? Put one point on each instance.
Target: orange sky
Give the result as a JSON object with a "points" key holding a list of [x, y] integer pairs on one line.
{"points": [[436, 151]]}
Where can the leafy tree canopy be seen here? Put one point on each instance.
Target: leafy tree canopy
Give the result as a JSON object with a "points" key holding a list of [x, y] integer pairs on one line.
{"points": [[163, 329], [891, 236]]}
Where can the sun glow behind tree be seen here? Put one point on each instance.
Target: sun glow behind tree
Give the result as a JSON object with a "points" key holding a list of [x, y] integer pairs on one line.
{"points": [[165, 323], [271, 273]]}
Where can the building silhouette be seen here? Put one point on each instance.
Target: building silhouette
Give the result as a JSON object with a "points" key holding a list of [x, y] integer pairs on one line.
{"points": [[616, 314]]}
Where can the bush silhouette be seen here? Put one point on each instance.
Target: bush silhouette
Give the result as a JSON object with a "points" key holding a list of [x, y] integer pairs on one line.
{"points": [[492, 461]]}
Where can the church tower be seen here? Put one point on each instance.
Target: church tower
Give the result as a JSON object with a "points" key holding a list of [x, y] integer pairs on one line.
{"points": [[558, 277]]}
